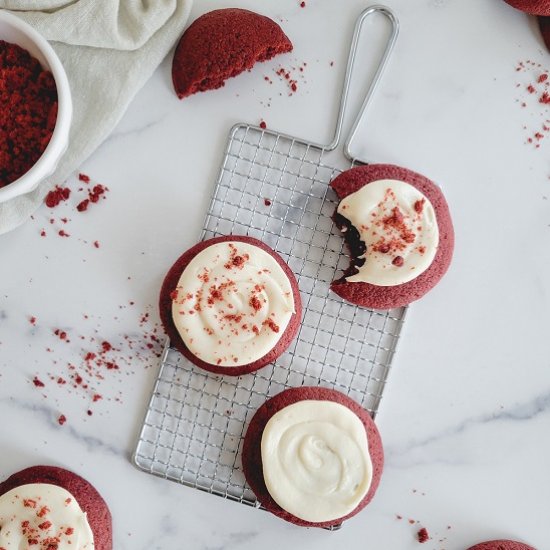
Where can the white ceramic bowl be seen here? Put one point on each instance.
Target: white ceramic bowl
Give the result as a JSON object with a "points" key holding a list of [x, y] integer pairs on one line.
{"points": [[16, 31]]}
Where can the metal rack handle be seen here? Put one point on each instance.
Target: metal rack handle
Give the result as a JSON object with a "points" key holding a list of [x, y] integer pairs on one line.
{"points": [[388, 13]]}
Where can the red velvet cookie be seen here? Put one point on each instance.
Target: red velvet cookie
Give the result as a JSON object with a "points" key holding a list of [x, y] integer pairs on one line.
{"points": [[89, 500], [252, 456], [533, 7], [501, 545], [167, 293], [389, 297], [222, 44]]}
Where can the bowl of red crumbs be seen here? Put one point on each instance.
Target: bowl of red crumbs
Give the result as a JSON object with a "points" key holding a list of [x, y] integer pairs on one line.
{"points": [[35, 108]]}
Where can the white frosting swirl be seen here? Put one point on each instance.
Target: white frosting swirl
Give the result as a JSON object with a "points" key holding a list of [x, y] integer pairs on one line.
{"points": [[398, 225], [316, 461], [232, 304], [41, 516]]}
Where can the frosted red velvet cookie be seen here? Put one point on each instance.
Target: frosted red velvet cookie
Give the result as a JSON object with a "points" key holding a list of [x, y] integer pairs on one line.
{"points": [[534, 7], [313, 456], [45, 507], [501, 545], [231, 305], [399, 231], [221, 44]]}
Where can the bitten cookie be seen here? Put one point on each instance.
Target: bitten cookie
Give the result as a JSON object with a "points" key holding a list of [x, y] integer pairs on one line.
{"points": [[48, 507], [501, 545], [222, 44], [231, 305], [534, 7], [398, 228], [312, 456]]}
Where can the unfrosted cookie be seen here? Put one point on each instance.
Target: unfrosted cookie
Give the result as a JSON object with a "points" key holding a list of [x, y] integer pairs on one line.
{"points": [[221, 44], [501, 545], [534, 7], [398, 228], [231, 305], [40, 502], [283, 419]]}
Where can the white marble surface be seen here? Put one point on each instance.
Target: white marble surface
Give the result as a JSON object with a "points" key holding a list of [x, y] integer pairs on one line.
{"points": [[466, 414]]}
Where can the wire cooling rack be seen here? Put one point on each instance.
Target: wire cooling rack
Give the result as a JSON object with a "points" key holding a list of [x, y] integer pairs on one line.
{"points": [[276, 188]]}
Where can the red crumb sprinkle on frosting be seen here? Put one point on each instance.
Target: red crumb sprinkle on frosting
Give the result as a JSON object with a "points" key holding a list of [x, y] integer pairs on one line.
{"points": [[62, 419], [263, 125]]}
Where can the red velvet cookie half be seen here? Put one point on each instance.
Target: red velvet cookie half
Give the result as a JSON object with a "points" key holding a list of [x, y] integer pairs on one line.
{"points": [[501, 545], [398, 228], [313, 445], [48, 516], [230, 305], [222, 44]]}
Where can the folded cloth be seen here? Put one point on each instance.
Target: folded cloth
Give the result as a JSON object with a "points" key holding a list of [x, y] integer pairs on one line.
{"points": [[109, 49]]}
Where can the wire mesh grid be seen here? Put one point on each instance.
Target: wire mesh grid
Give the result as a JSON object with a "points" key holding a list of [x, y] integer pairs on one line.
{"points": [[275, 188]]}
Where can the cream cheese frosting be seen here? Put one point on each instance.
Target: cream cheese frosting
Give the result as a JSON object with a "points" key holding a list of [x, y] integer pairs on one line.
{"points": [[41, 515], [398, 225], [316, 461], [232, 304]]}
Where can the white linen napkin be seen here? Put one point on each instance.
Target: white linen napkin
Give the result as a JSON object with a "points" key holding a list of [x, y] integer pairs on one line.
{"points": [[109, 49]]}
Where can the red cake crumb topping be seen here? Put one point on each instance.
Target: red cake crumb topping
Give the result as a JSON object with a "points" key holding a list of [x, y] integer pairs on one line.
{"points": [[28, 99], [236, 260], [83, 177], [62, 419], [267, 202], [255, 303], [398, 261], [272, 325], [263, 125]]}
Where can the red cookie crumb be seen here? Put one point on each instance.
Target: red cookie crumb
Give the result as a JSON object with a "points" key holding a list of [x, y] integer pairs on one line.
{"points": [[57, 195], [423, 535], [221, 44], [83, 205], [37, 382]]}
